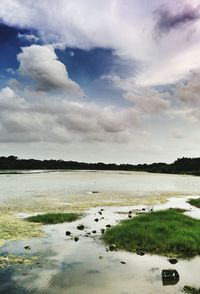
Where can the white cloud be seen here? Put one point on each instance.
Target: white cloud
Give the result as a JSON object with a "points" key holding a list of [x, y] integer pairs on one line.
{"points": [[40, 63], [126, 26], [148, 100], [28, 37], [188, 91], [58, 120]]}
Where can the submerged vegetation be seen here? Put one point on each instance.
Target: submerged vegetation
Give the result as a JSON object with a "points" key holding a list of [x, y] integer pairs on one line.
{"points": [[195, 202], [54, 218], [179, 166], [163, 232]]}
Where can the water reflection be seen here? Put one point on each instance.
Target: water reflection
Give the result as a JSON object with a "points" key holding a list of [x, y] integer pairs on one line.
{"points": [[85, 266]]}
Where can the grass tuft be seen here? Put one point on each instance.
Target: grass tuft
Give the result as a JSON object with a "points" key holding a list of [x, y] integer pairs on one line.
{"points": [[54, 218], [195, 202], [166, 232]]}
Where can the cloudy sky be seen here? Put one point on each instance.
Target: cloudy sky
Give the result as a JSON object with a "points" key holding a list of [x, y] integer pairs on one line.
{"points": [[97, 80]]}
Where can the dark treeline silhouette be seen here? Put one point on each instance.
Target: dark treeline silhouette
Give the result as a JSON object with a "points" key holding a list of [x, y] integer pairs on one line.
{"points": [[180, 166]]}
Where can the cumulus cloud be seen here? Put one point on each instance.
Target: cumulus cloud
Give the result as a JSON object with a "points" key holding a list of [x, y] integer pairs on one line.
{"points": [[167, 20], [188, 91], [148, 100], [145, 99], [63, 121], [28, 37], [41, 64], [125, 26]]}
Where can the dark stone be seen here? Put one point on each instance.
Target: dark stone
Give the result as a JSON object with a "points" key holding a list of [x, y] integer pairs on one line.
{"points": [[88, 233], [112, 247], [130, 216], [123, 262], [143, 209], [94, 192], [100, 212], [80, 227], [108, 226], [170, 277], [94, 232], [102, 209], [130, 212], [76, 239], [96, 220], [102, 231], [139, 252], [27, 247], [68, 233], [102, 217], [173, 260]]}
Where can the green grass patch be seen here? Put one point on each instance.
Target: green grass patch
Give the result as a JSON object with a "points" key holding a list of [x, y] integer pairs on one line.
{"points": [[195, 202], [166, 232], [54, 218]]}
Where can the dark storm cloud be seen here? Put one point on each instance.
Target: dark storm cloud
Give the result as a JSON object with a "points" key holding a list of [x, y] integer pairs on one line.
{"points": [[166, 20]]}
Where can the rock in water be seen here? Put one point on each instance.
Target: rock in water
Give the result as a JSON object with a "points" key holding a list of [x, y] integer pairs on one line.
{"points": [[80, 227], [108, 226], [112, 247], [68, 233], [173, 260], [139, 252], [170, 277]]}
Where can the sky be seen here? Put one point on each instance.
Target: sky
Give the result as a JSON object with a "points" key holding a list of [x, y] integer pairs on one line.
{"points": [[100, 81]]}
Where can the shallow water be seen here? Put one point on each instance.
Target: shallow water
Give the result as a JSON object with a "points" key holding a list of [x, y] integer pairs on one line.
{"points": [[66, 266], [67, 183]]}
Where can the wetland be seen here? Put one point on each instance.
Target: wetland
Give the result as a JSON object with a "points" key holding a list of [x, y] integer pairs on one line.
{"points": [[72, 256]]}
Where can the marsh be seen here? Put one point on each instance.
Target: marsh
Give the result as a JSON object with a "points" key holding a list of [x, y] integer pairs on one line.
{"points": [[62, 265]]}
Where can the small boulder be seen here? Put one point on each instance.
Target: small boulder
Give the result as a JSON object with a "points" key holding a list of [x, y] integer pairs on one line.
{"points": [[94, 231], [27, 247], [170, 277], [68, 233], [139, 252], [108, 226], [123, 262], [80, 227], [76, 239], [102, 231], [96, 220], [173, 260], [112, 247]]}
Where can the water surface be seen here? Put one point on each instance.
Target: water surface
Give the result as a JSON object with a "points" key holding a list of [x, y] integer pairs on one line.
{"points": [[66, 266]]}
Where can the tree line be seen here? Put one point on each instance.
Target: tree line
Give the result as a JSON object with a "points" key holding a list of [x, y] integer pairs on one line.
{"points": [[180, 166]]}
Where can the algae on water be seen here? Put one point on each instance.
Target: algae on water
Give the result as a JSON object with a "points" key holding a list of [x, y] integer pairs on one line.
{"points": [[8, 260], [13, 228]]}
